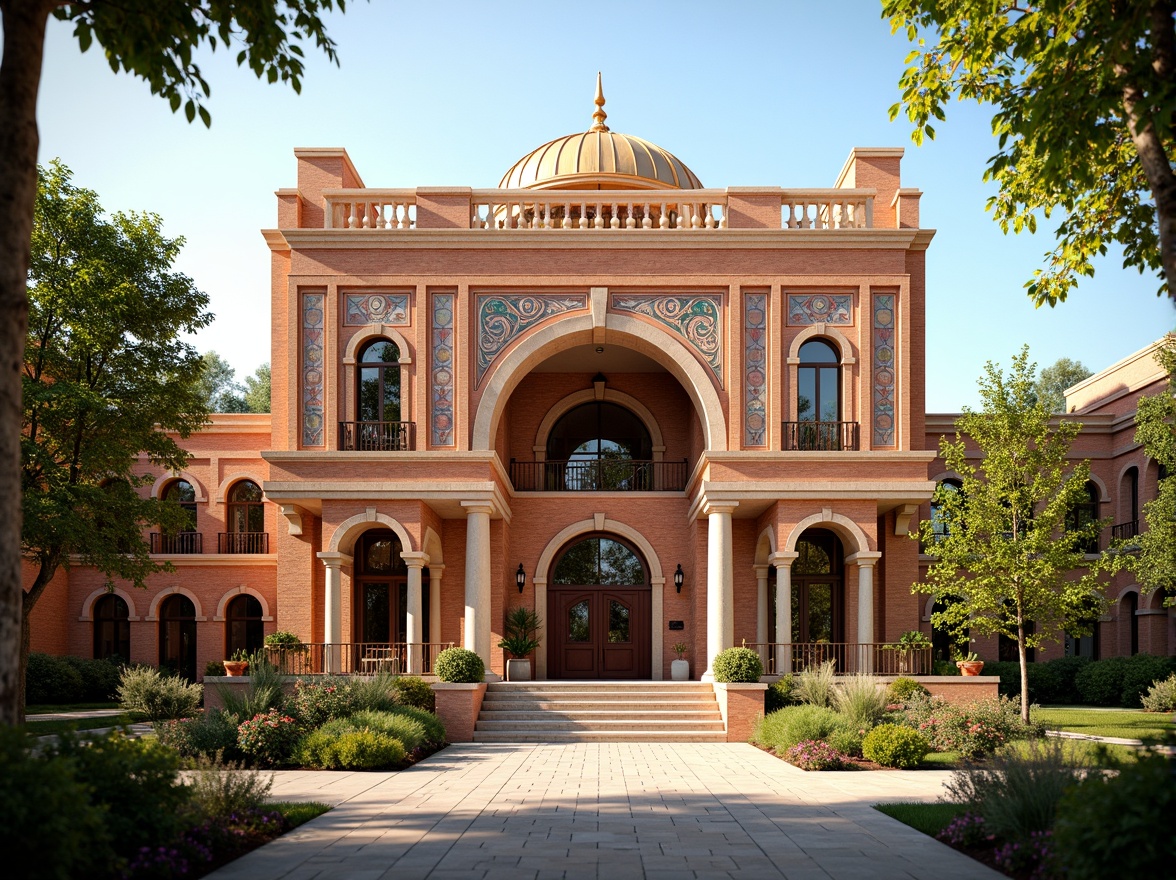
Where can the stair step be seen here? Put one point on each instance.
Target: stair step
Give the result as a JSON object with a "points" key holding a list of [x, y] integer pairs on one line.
{"points": [[597, 724], [612, 736], [578, 713]]}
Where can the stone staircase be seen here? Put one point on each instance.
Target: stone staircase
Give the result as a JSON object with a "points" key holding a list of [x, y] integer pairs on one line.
{"points": [[599, 711]]}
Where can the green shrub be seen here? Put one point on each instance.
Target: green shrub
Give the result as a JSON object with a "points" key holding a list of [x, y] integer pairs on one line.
{"points": [[409, 731], [144, 690], [847, 741], [1065, 671], [895, 745], [50, 679], [780, 694], [815, 686], [902, 689], [946, 667], [376, 692], [1017, 792], [1141, 672], [269, 738], [414, 691], [434, 728], [213, 732], [781, 730], [1161, 696], [738, 665], [460, 665], [973, 729], [814, 755], [51, 828], [214, 669], [99, 678], [263, 693], [337, 746], [221, 789], [1101, 683], [860, 699], [314, 703], [1124, 814]]}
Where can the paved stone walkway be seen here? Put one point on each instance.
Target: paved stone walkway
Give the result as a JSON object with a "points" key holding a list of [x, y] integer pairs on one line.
{"points": [[609, 811]]}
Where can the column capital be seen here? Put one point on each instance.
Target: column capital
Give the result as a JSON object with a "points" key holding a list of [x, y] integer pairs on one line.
{"points": [[784, 558], [719, 507], [864, 558], [486, 507], [334, 559], [761, 571], [414, 558]]}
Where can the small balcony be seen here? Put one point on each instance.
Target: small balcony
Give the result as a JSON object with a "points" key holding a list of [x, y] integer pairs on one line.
{"points": [[377, 436], [599, 475], [1125, 531], [242, 542], [181, 543], [820, 436]]}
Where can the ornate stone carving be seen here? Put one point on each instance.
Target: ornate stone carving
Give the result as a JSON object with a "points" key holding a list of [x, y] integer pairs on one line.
{"points": [[834, 309], [503, 317], [755, 369], [441, 365], [361, 309], [312, 368], [884, 367], [697, 318]]}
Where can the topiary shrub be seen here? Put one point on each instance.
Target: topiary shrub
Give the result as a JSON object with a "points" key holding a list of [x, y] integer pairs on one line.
{"points": [[1065, 670], [780, 694], [894, 745], [736, 665], [459, 665], [1161, 696], [144, 690], [414, 691], [99, 678], [902, 689], [50, 679]]}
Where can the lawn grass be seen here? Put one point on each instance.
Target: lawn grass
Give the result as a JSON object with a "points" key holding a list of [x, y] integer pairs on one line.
{"points": [[928, 818], [299, 812], [941, 761], [54, 708], [1124, 723], [45, 728]]}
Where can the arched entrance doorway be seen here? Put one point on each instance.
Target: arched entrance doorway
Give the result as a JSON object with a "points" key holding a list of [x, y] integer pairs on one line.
{"points": [[177, 636], [381, 592], [599, 611]]}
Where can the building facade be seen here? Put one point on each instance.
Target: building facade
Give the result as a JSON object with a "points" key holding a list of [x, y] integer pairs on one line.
{"points": [[656, 413]]}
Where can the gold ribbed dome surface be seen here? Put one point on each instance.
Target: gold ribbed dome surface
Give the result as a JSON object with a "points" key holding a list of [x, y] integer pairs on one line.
{"points": [[599, 159]]}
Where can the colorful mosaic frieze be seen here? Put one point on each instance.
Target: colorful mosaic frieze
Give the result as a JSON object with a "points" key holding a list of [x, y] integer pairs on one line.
{"points": [[312, 369], [884, 367], [502, 318], [755, 369], [360, 309], [696, 318], [820, 308], [441, 364]]}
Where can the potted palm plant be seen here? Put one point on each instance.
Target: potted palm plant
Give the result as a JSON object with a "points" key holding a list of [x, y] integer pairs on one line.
{"points": [[680, 668], [238, 664], [909, 643], [520, 639]]}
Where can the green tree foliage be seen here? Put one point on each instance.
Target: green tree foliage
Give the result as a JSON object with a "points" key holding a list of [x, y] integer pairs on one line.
{"points": [[219, 387], [106, 376], [257, 390], [1084, 101], [1005, 557], [1050, 387], [156, 41]]}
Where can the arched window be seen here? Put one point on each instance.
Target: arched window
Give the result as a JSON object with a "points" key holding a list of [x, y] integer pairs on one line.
{"points": [[186, 539], [599, 445], [177, 636], [1128, 524], [939, 523], [818, 400], [817, 595], [245, 520], [1083, 514], [112, 629], [244, 630], [377, 400], [599, 561]]}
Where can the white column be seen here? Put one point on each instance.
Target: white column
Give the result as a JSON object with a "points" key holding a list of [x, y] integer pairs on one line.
{"points": [[761, 612], [865, 623], [477, 578], [783, 562], [435, 573], [720, 594], [414, 616], [333, 611]]}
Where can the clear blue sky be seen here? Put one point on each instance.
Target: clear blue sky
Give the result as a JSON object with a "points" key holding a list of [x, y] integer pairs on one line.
{"points": [[452, 93]]}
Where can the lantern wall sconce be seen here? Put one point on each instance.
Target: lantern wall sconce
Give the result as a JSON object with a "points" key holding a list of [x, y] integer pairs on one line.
{"points": [[521, 578], [679, 578]]}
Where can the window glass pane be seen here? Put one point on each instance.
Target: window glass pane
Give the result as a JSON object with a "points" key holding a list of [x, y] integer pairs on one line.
{"points": [[813, 559], [380, 352], [599, 561], [369, 395], [817, 351], [246, 490], [578, 565], [181, 491], [377, 612], [619, 565], [797, 623], [828, 395], [820, 612], [578, 622], [806, 399], [618, 622]]}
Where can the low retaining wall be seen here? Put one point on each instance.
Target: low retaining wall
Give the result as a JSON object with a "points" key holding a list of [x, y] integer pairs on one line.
{"points": [[458, 706], [953, 688], [740, 705]]}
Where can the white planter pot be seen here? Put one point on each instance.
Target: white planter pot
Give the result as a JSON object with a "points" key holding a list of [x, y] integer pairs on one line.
{"points": [[680, 670], [518, 670]]}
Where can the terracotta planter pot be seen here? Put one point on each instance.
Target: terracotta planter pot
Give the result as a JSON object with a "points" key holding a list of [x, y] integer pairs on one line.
{"points": [[236, 667], [970, 667]]}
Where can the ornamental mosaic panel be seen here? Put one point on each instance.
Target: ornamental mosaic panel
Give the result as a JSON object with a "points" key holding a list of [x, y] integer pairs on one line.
{"points": [[502, 318], [820, 308], [441, 377], [312, 369], [755, 368], [884, 367], [696, 318], [361, 309]]}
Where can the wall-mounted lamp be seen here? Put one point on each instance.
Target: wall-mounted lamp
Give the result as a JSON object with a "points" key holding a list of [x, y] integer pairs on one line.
{"points": [[521, 578], [679, 578]]}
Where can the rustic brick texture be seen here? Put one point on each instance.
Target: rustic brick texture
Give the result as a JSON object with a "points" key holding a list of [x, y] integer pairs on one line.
{"points": [[740, 705], [458, 706]]}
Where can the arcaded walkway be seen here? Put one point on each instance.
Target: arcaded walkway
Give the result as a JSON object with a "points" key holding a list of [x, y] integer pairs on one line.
{"points": [[608, 811]]}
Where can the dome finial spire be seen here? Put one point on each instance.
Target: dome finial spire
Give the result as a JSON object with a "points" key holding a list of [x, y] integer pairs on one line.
{"points": [[599, 116]]}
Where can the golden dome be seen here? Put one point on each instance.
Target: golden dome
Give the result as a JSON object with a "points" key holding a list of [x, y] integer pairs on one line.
{"points": [[599, 159]]}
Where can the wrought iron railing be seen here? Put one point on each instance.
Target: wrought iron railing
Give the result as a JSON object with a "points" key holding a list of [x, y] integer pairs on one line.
{"points": [[599, 475], [242, 542], [1126, 530], [179, 543], [879, 658], [820, 436], [377, 436], [357, 658]]}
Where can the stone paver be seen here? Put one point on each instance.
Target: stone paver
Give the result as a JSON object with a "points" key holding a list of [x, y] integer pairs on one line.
{"points": [[605, 811]]}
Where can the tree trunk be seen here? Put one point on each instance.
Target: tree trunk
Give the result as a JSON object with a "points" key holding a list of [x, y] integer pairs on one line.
{"points": [[20, 77], [1023, 656]]}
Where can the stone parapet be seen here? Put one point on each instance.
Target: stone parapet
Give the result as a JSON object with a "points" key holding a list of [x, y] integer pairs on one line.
{"points": [[740, 705]]}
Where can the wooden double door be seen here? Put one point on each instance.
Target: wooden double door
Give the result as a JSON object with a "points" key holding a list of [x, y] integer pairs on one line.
{"points": [[599, 632]]}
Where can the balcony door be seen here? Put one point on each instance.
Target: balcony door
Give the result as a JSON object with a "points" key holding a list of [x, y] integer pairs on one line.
{"points": [[381, 591]]}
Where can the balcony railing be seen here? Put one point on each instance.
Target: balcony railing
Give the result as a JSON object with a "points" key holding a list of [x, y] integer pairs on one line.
{"points": [[820, 436], [357, 658], [179, 543], [878, 658], [377, 436], [598, 475], [1125, 531], [242, 542]]}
